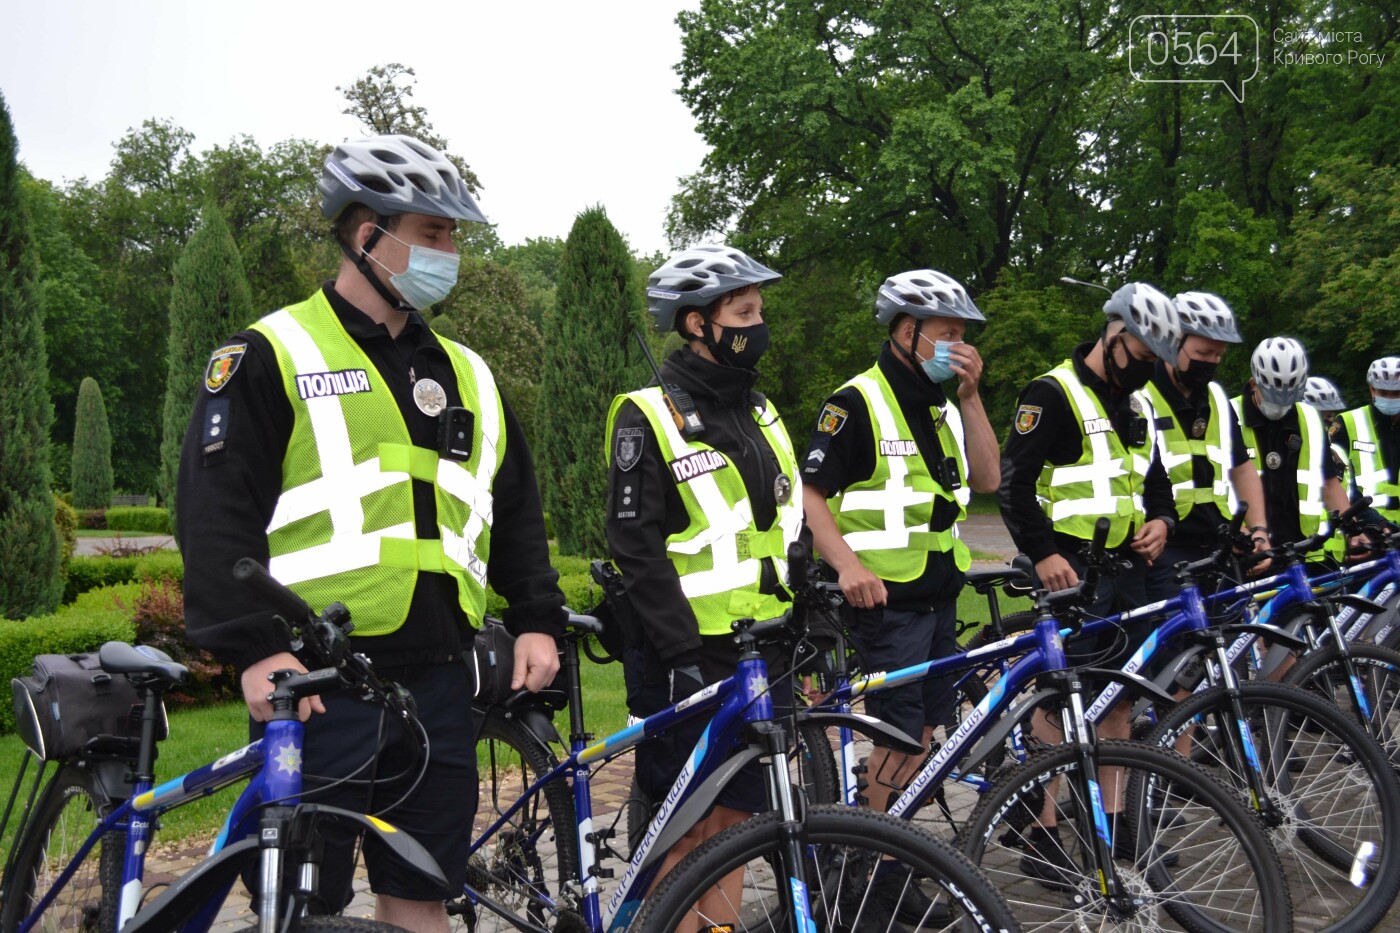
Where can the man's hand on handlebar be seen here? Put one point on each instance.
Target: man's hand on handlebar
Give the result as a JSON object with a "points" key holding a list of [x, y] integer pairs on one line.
{"points": [[257, 687]]}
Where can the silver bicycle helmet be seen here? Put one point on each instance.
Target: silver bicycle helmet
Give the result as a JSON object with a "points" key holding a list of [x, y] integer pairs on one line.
{"points": [[1207, 315], [1323, 395], [924, 293], [395, 175], [1280, 368], [1384, 373], [1150, 316], [695, 277]]}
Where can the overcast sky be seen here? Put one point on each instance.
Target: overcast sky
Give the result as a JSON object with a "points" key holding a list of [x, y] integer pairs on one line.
{"points": [[556, 105]]}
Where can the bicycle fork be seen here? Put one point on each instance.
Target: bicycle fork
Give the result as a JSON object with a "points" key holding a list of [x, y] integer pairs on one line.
{"points": [[793, 833]]}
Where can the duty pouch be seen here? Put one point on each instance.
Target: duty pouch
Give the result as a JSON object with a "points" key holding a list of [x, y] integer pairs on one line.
{"points": [[621, 629], [68, 704]]}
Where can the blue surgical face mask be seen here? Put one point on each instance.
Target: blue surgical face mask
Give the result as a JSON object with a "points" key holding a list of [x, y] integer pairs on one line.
{"points": [[430, 275], [940, 367], [1387, 406]]}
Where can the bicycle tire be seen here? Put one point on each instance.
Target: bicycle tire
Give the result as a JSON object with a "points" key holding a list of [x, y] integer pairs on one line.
{"points": [[1012, 624], [1378, 670], [68, 811], [534, 857], [845, 844], [1226, 875], [1341, 793]]}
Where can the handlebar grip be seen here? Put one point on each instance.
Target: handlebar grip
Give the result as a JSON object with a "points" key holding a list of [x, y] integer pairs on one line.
{"points": [[255, 576], [1355, 509], [1100, 536], [1237, 520]]}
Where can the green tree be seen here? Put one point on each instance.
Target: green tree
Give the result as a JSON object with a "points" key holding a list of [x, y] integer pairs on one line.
{"points": [[381, 101], [588, 359], [92, 450], [32, 582], [208, 301]]}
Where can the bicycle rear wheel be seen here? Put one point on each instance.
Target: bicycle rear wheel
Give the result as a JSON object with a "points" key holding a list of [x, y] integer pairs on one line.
{"points": [[1329, 789], [70, 809], [1378, 674], [531, 858], [1207, 868], [844, 847]]}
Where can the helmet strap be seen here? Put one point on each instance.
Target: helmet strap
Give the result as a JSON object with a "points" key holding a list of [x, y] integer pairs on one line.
{"points": [[362, 263]]}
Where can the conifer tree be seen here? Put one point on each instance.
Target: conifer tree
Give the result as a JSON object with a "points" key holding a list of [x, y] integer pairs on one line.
{"points": [[209, 301], [92, 449], [590, 356], [32, 580]]}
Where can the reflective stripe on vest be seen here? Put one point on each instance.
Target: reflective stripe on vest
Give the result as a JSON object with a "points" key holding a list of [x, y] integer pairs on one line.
{"points": [[1176, 450], [719, 555], [1107, 479], [1369, 471], [1310, 459], [343, 527], [885, 519]]}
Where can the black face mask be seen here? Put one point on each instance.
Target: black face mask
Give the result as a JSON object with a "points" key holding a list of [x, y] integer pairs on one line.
{"points": [[1131, 376], [740, 347], [1198, 375]]}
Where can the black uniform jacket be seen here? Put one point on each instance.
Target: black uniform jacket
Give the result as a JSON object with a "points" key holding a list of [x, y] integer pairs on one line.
{"points": [[1285, 438], [1201, 525], [841, 452], [1054, 437], [227, 493], [644, 505]]}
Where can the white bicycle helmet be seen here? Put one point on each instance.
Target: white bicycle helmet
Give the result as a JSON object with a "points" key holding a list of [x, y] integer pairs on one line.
{"points": [[695, 277], [1207, 315], [395, 175], [1384, 373], [1280, 368], [924, 293], [1150, 316], [1323, 395]]}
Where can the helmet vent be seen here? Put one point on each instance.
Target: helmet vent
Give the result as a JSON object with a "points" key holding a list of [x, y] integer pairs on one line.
{"points": [[393, 158]]}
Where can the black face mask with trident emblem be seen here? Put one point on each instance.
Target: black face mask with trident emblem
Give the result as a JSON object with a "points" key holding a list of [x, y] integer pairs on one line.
{"points": [[740, 347]]}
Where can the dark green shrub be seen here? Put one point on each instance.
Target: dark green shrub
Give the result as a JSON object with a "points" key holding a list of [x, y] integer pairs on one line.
{"points": [[92, 518], [88, 573], [84, 626], [66, 518], [139, 518]]}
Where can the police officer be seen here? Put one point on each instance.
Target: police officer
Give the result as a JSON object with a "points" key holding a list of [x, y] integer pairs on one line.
{"points": [[1370, 435], [1323, 395], [1288, 443], [314, 448], [700, 514], [886, 477], [1080, 449], [1199, 442]]}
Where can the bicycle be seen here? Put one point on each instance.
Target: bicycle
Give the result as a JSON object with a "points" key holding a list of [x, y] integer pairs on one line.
{"points": [[804, 865], [1200, 894], [79, 858]]}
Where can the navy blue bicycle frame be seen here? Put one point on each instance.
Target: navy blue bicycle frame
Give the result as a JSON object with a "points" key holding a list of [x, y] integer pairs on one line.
{"points": [[736, 700], [281, 784]]}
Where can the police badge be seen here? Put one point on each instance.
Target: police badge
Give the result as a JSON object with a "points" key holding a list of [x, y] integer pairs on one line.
{"points": [[627, 447]]}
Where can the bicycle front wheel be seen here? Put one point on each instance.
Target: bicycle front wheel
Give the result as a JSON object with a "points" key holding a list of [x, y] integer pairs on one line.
{"points": [[865, 871], [70, 809], [1188, 854], [1331, 800]]}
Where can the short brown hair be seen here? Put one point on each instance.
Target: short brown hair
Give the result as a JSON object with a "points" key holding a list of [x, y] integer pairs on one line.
{"points": [[344, 226]]}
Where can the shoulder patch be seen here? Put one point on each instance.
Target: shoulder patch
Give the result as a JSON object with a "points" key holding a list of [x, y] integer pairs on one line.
{"points": [[222, 365], [1027, 417], [832, 419], [627, 447]]}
